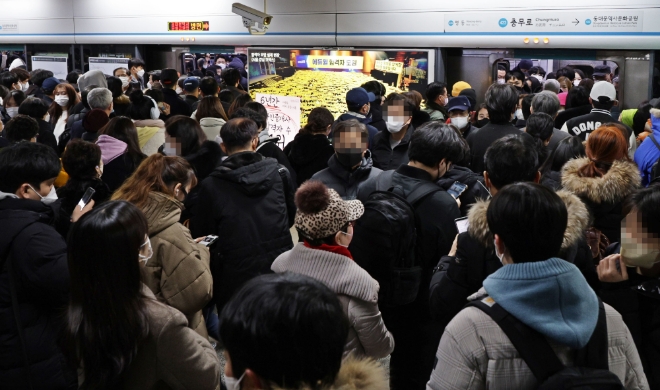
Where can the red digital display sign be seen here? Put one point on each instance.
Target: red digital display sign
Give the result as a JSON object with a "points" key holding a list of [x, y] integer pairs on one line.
{"points": [[187, 26]]}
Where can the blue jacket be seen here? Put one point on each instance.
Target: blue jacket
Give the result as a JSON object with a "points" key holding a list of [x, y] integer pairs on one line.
{"points": [[648, 153]]}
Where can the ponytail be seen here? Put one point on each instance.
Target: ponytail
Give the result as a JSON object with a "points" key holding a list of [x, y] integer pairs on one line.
{"points": [[605, 145]]}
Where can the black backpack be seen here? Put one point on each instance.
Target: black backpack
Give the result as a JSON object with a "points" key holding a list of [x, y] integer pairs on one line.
{"points": [[591, 367], [384, 240]]}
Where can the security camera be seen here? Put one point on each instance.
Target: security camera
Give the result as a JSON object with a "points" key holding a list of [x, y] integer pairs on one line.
{"points": [[255, 21]]}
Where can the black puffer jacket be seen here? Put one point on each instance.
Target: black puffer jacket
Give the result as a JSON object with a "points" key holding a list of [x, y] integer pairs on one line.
{"points": [[245, 203], [476, 189], [457, 277], [552, 180], [343, 180], [308, 154], [71, 194], [39, 261], [388, 158], [204, 161]]}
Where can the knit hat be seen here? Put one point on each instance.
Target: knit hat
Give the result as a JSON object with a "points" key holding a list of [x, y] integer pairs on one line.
{"points": [[322, 212], [627, 116], [95, 120], [458, 87]]}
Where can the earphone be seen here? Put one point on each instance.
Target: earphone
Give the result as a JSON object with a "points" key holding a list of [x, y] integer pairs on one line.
{"points": [[155, 112]]}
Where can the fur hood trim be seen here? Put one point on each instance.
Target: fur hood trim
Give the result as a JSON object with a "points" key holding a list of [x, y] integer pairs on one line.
{"points": [[578, 221], [356, 374], [621, 180]]}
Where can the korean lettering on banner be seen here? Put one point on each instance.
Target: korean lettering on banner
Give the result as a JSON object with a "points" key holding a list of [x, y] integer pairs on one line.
{"points": [[283, 116]]}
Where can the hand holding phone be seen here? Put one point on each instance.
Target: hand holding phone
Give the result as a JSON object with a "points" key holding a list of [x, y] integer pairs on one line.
{"points": [[208, 240], [462, 224], [87, 196], [612, 269], [457, 189]]}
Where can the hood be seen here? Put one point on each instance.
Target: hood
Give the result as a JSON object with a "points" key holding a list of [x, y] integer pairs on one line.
{"points": [[578, 221], [149, 123], [354, 374], [551, 297], [161, 211], [252, 172], [621, 180], [111, 148], [458, 174], [93, 77], [236, 63], [306, 146], [353, 115], [211, 122]]}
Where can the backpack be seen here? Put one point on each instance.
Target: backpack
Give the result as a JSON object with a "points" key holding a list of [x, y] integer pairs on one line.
{"points": [[384, 240], [591, 367]]}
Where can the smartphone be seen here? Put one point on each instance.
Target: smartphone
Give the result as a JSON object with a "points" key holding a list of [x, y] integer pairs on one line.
{"points": [[462, 224], [209, 240], [87, 196], [457, 189], [161, 106]]}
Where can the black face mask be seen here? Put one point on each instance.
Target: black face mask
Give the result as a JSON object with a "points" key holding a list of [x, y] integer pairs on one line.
{"points": [[482, 122], [350, 159]]}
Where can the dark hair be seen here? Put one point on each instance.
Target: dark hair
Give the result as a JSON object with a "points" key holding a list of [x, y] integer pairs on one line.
{"points": [[123, 129], [566, 150], [580, 73], [605, 145], [567, 72], [526, 105], [258, 118], [530, 219], [239, 101], [603, 104], [55, 109], [208, 86], [318, 120], [536, 70], [238, 133], [349, 126], [34, 108], [135, 62], [434, 141], [187, 132], [210, 107], [27, 162], [515, 73], [80, 159], [586, 84], [434, 90], [276, 310], [640, 118], [646, 202], [415, 97], [259, 109], [408, 105], [115, 86], [18, 96], [72, 77], [38, 76], [21, 128], [512, 159], [551, 76], [140, 107], [156, 94], [501, 102], [540, 125], [8, 79], [375, 87], [107, 318], [226, 96], [22, 74], [576, 97], [231, 76], [3, 91]]}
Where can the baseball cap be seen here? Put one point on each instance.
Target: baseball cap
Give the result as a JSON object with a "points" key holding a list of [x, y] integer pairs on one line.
{"points": [[603, 89], [602, 70], [461, 103], [359, 97], [168, 76], [458, 87], [50, 83], [190, 84]]}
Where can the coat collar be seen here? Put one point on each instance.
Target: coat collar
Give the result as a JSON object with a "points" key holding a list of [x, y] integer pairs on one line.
{"points": [[354, 374], [621, 180]]}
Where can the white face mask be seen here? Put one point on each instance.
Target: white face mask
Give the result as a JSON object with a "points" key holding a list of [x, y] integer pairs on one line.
{"points": [[222, 66], [501, 81], [178, 90], [538, 77], [395, 124], [12, 111], [459, 121], [124, 81], [149, 85], [576, 82], [150, 251], [48, 199], [62, 100], [519, 114], [24, 87], [233, 383], [446, 101], [635, 254], [499, 255], [140, 73]]}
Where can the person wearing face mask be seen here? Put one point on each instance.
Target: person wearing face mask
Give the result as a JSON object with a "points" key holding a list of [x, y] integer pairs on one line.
{"points": [[145, 113], [537, 72], [433, 149], [108, 250], [248, 202], [10, 105], [11, 81], [481, 118], [34, 260], [517, 79], [501, 101], [124, 75], [325, 223], [459, 111], [537, 290], [390, 148], [178, 274], [120, 100], [23, 78], [64, 101], [350, 165], [630, 278], [435, 99], [136, 70], [358, 101], [579, 75], [169, 78], [501, 74], [375, 107]]}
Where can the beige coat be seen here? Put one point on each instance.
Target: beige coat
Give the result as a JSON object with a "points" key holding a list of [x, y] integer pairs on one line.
{"points": [[474, 353], [173, 356], [357, 292], [178, 272]]}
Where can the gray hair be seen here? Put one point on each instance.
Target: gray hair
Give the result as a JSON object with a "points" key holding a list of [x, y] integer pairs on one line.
{"points": [[546, 102], [551, 85], [99, 98]]}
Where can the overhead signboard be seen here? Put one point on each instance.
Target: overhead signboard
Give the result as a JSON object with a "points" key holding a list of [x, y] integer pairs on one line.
{"points": [[188, 26], [283, 116], [107, 65], [596, 21], [389, 66], [8, 27], [57, 65]]}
